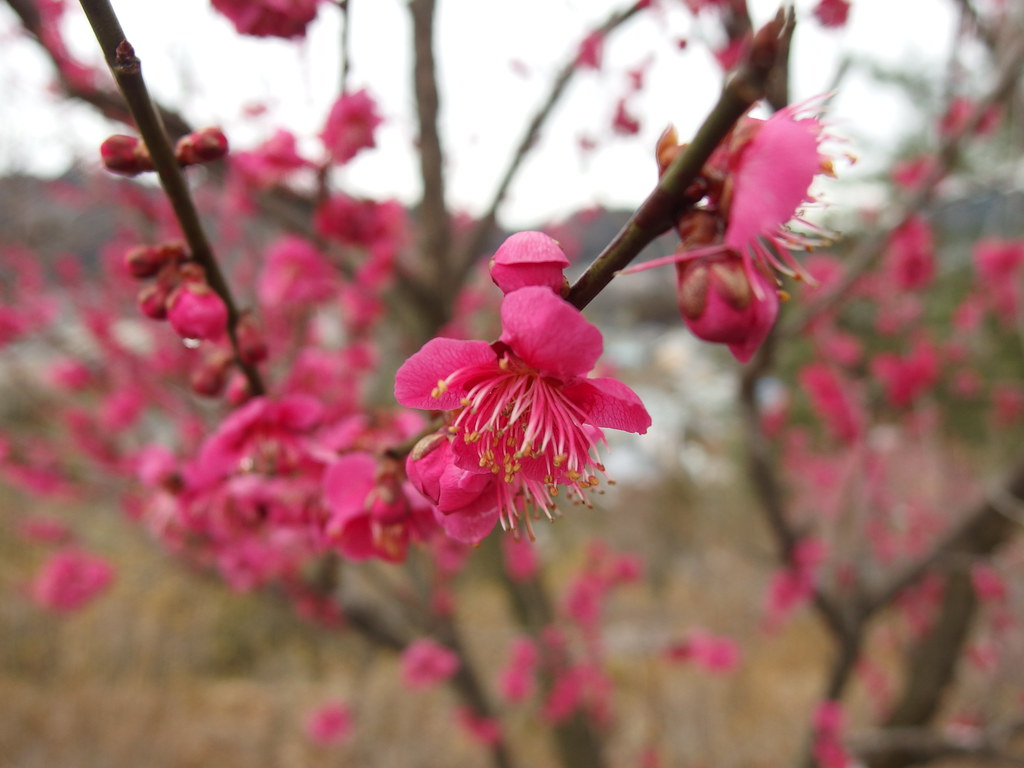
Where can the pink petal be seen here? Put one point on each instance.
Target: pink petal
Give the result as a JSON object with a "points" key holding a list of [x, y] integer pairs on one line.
{"points": [[438, 359], [773, 178], [610, 403], [469, 526], [528, 258], [347, 482], [549, 333]]}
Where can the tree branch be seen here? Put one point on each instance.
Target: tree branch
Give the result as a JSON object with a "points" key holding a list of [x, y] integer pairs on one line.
{"points": [[127, 71], [657, 214]]}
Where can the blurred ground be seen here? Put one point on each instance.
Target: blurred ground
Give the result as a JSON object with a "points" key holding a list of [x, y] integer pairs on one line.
{"points": [[170, 669]]}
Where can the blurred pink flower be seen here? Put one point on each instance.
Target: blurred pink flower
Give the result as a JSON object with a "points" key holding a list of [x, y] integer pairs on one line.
{"points": [[269, 18], [712, 653], [425, 663], [69, 579], [350, 126], [330, 723]]}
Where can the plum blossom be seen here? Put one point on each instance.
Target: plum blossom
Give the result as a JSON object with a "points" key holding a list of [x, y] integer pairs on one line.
{"points": [[757, 183], [70, 579], [329, 724], [371, 513], [523, 418], [269, 18], [529, 258], [350, 127], [425, 663]]}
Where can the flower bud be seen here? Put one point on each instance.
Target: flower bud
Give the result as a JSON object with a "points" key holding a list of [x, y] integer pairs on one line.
{"points": [[201, 146], [252, 347], [143, 261], [529, 258], [125, 155], [719, 304], [211, 376], [195, 311], [152, 300]]}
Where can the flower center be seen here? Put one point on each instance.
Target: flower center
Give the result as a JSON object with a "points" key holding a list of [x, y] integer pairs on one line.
{"points": [[523, 428]]}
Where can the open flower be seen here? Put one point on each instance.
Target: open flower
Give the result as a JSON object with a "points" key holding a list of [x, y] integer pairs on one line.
{"points": [[740, 233], [522, 409]]}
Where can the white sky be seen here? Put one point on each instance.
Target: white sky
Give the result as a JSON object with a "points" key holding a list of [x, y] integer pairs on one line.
{"points": [[193, 59]]}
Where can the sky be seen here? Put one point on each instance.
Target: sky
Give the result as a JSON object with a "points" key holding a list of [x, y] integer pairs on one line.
{"points": [[496, 62]]}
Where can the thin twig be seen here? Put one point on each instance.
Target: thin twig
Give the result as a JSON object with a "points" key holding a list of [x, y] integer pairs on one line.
{"points": [[127, 71]]}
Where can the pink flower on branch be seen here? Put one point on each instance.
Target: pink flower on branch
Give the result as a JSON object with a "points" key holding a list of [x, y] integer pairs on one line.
{"points": [[350, 126], [523, 418], [425, 663], [329, 724], [739, 233], [70, 579], [269, 18]]}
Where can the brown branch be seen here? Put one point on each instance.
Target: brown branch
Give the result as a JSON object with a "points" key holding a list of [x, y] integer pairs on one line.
{"points": [[127, 71], [432, 214], [918, 746], [663, 206]]}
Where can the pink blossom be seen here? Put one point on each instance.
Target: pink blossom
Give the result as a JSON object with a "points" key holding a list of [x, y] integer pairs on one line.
{"points": [[520, 556], [719, 304], [195, 311], [732, 243], [464, 498], [486, 730], [295, 273], [713, 653], [771, 182], [272, 161], [70, 374], [521, 411], [828, 725], [988, 583], [833, 401], [998, 264], [583, 685], [624, 123], [529, 258], [1008, 400], [591, 51], [832, 13], [794, 585], [350, 126], [907, 378], [911, 173], [518, 678], [330, 723], [370, 513], [69, 579], [269, 18], [44, 530], [910, 255], [425, 663], [960, 111]]}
